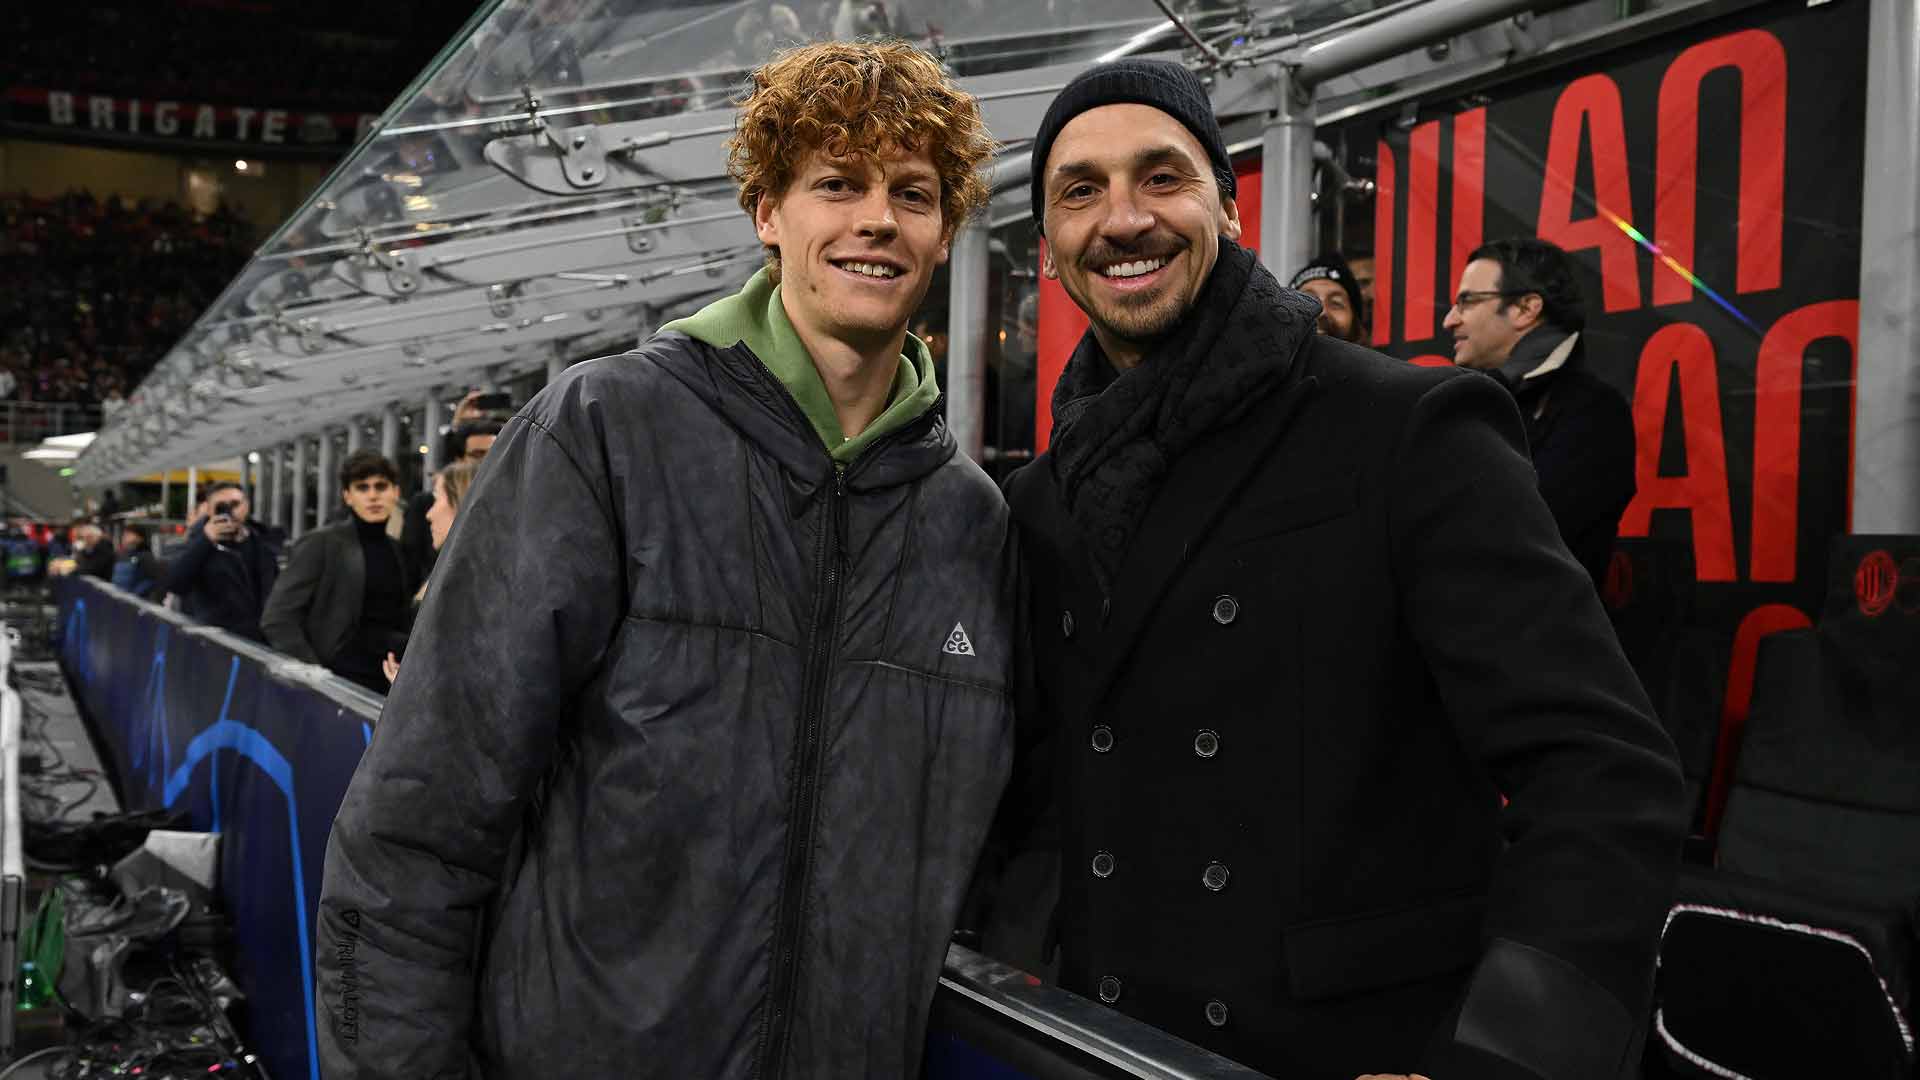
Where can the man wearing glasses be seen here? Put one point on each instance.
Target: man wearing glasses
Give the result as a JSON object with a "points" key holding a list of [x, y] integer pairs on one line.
{"points": [[1519, 316]]}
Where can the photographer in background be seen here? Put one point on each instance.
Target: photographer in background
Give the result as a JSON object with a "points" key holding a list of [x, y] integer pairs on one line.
{"points": [[227, 569], [477, 421]]}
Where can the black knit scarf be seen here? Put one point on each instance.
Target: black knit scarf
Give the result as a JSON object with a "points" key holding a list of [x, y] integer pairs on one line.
{"points": [[1114, 435]]}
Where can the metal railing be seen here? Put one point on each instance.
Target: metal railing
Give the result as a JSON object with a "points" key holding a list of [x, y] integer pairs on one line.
{"points": [[30, 421], [13, 873]]}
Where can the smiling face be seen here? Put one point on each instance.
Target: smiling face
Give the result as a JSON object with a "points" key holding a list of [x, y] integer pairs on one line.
{"points": [[1337, 317], [1487, 328], [1133, 223], [859, 241]]}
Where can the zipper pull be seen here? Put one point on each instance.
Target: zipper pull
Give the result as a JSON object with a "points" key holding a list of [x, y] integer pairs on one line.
{"points": [[839, 511]]}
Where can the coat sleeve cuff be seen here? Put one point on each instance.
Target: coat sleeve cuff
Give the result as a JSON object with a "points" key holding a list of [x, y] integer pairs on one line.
{"points": [[1530, 1015]]}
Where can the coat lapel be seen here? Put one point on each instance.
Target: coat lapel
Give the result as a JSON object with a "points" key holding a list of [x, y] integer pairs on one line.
{"points": [[1200, 485]]}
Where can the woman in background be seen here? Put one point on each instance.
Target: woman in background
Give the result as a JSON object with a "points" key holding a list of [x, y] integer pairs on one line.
{"points": [[449, 487]]}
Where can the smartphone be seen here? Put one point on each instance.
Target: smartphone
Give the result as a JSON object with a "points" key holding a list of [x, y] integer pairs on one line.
{"points": [[493, 402]]}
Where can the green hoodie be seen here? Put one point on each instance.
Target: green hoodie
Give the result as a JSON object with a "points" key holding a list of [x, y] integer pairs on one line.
{"points": [[755, 316]]}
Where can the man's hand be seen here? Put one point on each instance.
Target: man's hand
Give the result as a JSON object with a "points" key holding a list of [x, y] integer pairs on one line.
{"points": [[467, 410], [222, 529]]}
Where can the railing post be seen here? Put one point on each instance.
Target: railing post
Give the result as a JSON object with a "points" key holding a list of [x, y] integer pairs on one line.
{"points": [[323, 471], [299, 527], [968, 279]]}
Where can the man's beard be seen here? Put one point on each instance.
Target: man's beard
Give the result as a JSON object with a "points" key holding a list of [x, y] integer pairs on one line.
{"points": [[1142, 319]]}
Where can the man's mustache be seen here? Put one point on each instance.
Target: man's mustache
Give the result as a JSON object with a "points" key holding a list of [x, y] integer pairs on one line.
{"points": [[1103, 253]]}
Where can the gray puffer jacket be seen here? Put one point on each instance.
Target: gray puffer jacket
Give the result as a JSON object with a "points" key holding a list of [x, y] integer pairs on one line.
{"points": [[691, 755]]}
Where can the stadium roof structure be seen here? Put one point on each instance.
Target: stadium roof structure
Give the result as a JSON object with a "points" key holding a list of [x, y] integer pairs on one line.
{"points": [[554, 186]]}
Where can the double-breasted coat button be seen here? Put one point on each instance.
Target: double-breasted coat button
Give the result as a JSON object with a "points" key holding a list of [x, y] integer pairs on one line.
{"points": [[1205, 743], [1102, 864], [1066, 624], [1217, 1013], [1225, 609], [1102, 738], [1109, 989], [1215, 877]]}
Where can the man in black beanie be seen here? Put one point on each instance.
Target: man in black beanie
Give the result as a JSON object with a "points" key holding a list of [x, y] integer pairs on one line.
{"points": [[1299, 621], [1328, 280]]}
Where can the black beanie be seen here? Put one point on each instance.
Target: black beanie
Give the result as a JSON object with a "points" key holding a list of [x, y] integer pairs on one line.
{"points": [[1159, 83], [1333, 267]]}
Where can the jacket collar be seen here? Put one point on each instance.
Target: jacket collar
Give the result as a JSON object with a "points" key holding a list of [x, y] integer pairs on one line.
{"points": [[1542, 352], [737, 385]]}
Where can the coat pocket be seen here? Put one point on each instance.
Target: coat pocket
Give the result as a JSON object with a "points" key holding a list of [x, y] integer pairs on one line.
{"points": [[1331, 957], [1263, 517]]}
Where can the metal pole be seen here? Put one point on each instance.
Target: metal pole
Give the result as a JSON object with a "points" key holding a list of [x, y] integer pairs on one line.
{"points": [[324, 480], [166, 494], [269, 484], [430, 438], [968, 272], [356, 434], [299, 488], [555, 365], [193, 484], [1341, 54], [390, 433], [1886, 393], [1286, 178]]}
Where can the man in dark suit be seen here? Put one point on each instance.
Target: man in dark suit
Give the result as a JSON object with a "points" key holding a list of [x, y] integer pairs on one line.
{"points": [[1299, 619], [1519, 315], [344, 600]]}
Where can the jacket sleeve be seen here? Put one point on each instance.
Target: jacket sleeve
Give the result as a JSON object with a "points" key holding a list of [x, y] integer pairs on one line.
{"points": [[526, 599], [284, 621], [1542, 697], [183, 572]]}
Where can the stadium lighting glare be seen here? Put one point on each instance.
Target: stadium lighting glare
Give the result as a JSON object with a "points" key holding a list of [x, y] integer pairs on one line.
{"points": [[240, 165], [253, 457], [423, 449]]}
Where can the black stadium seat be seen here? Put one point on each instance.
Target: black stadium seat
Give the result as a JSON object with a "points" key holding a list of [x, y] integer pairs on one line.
{"points": [[1649, 596], [1795, 956]]}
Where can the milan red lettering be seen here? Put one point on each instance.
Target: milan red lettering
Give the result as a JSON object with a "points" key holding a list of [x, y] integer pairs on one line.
{"points": [[1762, 63], [1383, 202], [1423, 219], [1591, 106], [1776, 429], [1685, 349], [1469, 184]]}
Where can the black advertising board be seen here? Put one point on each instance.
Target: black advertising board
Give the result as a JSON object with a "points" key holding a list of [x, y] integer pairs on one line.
{"points": [[1707, 183]]}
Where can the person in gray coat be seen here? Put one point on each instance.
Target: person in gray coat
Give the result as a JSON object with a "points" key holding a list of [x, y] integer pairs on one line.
{"points": [[708, 708]]}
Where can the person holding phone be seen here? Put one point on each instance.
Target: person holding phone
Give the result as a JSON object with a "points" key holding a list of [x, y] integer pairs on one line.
{"points": [[228, 568]]}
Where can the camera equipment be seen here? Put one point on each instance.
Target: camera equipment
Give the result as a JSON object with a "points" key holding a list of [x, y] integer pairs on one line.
{"points": [[226, 507], [499, 402]]}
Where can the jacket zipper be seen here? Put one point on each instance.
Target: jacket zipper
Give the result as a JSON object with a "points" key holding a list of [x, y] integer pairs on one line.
{"points": [[829, 567]]}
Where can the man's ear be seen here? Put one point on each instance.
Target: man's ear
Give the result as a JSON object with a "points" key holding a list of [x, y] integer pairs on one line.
{"points": [[1531, 307], [1051, 271], [763, 223], [1230, 218]]}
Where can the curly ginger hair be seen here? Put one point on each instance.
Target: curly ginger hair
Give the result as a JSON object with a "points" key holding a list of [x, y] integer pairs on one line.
{"points": [[856, 100]]}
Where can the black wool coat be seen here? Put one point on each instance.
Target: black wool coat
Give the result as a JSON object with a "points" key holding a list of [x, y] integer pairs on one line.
{"points": [[1346, 627], [1580, 431]]}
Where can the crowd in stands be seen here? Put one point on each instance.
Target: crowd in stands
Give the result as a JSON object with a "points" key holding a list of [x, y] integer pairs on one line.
{"points": [[94, 292]]}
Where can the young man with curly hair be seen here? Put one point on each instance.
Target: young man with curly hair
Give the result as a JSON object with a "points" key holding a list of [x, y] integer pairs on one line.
{"points": [[706, 713]]}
